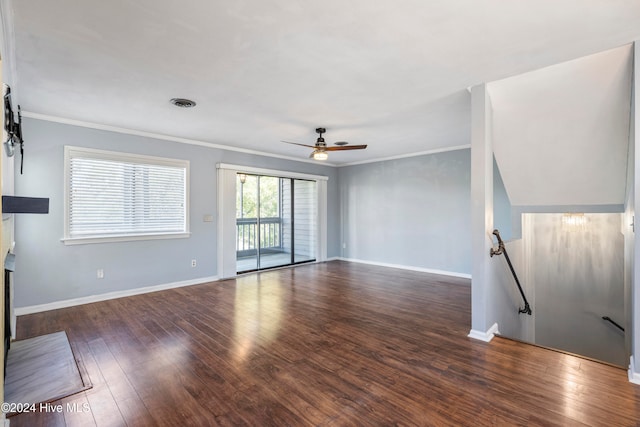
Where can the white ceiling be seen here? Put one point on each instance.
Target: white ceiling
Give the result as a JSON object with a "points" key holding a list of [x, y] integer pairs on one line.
{"points": [[389, 74], [561, 134]]}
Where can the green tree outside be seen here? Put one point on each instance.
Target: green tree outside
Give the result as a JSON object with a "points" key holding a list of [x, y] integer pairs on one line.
{"points": [[247, 197]]}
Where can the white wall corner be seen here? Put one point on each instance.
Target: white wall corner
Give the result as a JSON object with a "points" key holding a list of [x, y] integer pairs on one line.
{"points": [[484, 336], [634, 377]]}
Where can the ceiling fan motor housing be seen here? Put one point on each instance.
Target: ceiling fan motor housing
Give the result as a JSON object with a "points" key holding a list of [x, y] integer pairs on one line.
{"points": [[320, 141]]}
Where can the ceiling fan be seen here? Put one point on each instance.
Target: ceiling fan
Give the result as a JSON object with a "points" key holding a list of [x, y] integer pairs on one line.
{"points": [[320, 149]]}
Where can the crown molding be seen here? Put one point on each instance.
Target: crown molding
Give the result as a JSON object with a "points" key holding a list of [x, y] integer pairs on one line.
{"points": [[404, 156], [127, 131], [153, 135]]}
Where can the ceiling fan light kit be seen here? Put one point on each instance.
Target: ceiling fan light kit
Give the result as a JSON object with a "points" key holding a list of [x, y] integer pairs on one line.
{"points": [[319, 155], [320, 148]]}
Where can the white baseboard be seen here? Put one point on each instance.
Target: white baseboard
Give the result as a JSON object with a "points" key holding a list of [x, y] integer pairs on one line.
{"points": [[634, 377], [484, 336], [407, 267], [20, 311]]}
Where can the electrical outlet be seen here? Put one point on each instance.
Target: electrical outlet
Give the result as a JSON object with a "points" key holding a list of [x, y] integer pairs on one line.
{"points": [[100, 273], [193, 263], [344, 246]]}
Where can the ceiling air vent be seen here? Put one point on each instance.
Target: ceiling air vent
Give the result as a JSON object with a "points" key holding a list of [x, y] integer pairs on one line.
{"points": [[183, 102]]}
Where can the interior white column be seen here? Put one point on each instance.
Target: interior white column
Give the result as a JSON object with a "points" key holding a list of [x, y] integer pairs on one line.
{"points": [[481, 212], [634, 366]]}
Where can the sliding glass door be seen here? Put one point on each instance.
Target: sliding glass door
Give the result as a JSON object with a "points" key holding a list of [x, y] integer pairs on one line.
{"points": [[276, 221]]}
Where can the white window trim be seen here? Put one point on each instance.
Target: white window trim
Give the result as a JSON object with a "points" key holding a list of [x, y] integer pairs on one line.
{"points": [[227, 212], [120, 156], [271, 172]]}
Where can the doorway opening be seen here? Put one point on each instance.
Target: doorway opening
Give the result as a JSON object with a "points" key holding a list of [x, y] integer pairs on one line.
{"points": [[576, 278]]}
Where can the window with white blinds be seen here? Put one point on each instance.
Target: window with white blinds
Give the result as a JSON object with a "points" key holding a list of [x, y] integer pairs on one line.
{"points": [[116, 196]]}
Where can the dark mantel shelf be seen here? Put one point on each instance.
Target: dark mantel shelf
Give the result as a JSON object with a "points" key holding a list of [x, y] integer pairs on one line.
{"points": [[14, 205]]}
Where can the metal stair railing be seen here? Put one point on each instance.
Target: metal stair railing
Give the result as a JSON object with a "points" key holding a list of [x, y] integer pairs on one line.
{"points": [[503, 251], [616, 324]]}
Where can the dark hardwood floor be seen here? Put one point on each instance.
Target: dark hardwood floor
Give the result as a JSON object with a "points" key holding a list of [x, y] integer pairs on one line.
{"points": [[331, 344]]}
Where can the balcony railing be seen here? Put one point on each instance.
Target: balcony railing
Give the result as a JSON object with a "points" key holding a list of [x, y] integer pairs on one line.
{"points": [[247, 235]]}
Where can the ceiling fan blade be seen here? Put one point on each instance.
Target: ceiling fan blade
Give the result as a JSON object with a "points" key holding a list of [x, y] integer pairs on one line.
{"points": [[346, 147], [297, 143]]}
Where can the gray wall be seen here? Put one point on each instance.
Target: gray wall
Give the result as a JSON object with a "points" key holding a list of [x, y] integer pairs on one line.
{"points": [[502, 215], [506, 298], [48, 271], [413, 212]]}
